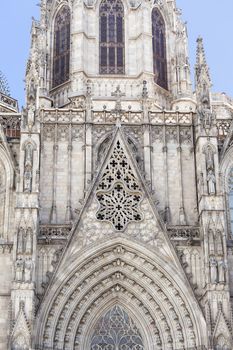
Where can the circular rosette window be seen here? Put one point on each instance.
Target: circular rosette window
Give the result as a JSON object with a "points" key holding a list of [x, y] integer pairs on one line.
{"points": [[119, 206]]}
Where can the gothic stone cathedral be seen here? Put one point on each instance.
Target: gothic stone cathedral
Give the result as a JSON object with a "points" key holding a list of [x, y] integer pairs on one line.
{"points": [[116, 196]]}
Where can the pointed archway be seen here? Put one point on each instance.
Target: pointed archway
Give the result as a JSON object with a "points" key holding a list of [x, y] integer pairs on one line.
{"points": [[119, 253]]}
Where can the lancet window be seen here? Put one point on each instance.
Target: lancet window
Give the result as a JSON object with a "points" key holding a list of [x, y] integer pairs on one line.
{"points": [[61, 50], [112, 41], [159, 49], [230, 197], [116, 330]]}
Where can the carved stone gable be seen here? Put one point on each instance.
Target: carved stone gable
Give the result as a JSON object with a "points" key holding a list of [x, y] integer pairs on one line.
{"points": [[118, 193]]}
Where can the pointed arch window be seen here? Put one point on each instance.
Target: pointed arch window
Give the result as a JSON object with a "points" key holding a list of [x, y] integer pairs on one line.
{"points": [[116, 330], [61, 49], [230, 197], [112, 41], [159, 49]]}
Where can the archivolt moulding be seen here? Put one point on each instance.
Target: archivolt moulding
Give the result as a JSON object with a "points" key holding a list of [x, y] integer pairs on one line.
{"points": [[119, 271]]}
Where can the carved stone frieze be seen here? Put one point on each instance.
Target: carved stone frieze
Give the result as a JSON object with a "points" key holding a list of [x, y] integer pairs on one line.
{"points": [[184, 233], [54, 232]]}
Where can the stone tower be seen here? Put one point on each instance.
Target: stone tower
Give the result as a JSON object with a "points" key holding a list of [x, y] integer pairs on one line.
{"points": [[116, 217]]}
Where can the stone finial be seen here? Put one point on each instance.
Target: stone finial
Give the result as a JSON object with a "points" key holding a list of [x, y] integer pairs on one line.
{"points": [[4, 87], [201, 68]]}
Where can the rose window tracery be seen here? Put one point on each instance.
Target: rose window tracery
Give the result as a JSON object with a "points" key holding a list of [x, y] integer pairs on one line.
{"points": [[116, 331], [118, 193]]}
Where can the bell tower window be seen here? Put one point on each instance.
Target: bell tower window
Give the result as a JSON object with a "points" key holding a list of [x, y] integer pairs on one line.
{"points": [[112, 41], [159, 49], [61, 47]]}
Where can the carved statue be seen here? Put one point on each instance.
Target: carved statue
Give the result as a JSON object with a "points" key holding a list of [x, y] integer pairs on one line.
{"points": [[29, 241], [211, 241], [209, 159], [118, 96], [28, 178], [28, 270], [211, 180], [222, 271], [219, 243], [19, 270], [31, 115], [213, 270], [28, 168], [206, 116], [20, 247], [32, 90]]}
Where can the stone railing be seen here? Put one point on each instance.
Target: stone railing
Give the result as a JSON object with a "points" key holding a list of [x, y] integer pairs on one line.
{"points": [[9, 102], [184, 233], [54, 232], [58, 348], [11, 124], [222, 97], [62, 116], [77, 116], [171, 118]]}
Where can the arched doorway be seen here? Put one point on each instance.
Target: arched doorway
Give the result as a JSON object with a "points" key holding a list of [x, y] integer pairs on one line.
{"points": [[119, 280]]}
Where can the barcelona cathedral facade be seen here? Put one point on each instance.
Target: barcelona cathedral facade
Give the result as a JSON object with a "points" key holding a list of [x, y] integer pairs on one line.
{"points": [[116, 197]]}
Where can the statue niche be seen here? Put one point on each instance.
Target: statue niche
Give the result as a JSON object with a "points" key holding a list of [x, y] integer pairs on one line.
{"points": [[210, 171], [2, 197], [28, 168]]}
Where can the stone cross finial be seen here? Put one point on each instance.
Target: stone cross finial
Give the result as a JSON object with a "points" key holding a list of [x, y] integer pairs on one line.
{"points": [[118, 95]]}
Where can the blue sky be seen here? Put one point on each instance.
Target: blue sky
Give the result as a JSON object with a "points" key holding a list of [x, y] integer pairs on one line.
{"points": [[207, 18]]}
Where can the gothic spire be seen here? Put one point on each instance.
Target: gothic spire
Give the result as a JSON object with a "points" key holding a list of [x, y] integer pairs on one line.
{"points": [[203, 89], [4, 86], [202, 75]]}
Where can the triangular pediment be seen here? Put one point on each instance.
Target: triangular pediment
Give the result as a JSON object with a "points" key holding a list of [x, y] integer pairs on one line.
{"points": [[118, 239], [21, 331], [119, 205], [222, 326]]}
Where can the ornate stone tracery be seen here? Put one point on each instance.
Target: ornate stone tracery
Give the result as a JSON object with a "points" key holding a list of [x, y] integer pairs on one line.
{"points": [[116, 330], [118, 192]]}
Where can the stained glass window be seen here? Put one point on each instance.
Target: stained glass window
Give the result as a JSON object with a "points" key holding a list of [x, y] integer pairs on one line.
{"points": [[159, 49], [112, 45], [230, 187], [61, 51], [116, 331]]}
